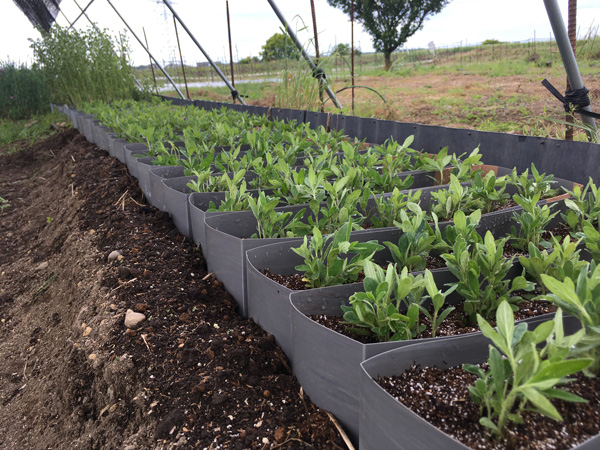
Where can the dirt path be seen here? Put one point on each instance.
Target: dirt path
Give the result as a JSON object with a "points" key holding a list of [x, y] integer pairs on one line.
{"points": [[193, 375]]}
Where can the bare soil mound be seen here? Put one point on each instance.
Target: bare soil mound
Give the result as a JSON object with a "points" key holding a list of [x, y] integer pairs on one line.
{"points": [[194, 374]]}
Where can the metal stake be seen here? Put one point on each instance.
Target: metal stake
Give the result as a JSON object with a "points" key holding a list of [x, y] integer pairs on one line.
{"points": [[234, 93], [151, 65], [308, 59], [147, 51], [568, 57], [61, 11], [319, 76], [86, 16], [181, 58], [81, 13], [352, 50], [572, 29], [230, 52]]}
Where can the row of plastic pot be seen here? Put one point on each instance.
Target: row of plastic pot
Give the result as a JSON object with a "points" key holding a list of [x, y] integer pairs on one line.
{"points": [[337, 372]]}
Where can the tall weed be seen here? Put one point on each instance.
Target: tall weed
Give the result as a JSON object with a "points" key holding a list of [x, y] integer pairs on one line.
{"points": [[23, 91], [83, 66]]}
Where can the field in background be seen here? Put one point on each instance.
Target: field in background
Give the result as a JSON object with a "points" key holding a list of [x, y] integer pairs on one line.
{"points": [[491, 87]]}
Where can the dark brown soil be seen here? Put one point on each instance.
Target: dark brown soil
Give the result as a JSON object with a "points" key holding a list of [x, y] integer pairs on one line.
{"points": [[193, 375], [452, 411]]}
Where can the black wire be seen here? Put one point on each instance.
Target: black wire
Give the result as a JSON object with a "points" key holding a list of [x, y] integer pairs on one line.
{"points": [[575, 99]]}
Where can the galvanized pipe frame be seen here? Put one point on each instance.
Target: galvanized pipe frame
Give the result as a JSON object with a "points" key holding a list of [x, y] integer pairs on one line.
{"points": [[317, 71], [234, 92], [81, 13], [568, 57], [147, 51]]}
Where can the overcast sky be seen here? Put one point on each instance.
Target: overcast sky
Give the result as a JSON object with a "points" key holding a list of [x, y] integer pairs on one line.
{"points": [[253, 22]]}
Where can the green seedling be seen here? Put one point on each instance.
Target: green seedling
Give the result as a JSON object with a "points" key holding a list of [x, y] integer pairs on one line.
{"points": [[520, 376]]}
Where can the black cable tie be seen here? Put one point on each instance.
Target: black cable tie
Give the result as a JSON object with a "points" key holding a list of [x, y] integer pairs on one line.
{"points": [[573, 98], [235, 94], [319, 73]]}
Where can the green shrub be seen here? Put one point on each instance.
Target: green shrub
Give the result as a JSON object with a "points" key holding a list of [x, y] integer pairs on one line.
{"points": [[23, 91], [82, 66]]}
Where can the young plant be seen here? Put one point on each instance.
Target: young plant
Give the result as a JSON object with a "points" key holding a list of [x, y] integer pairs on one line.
{"points": [[581, 299], [438, 299], [415, 243], [539, 185], [325, 257], [584, 205], [562, 262], [591, 237], [532, 222], [377, 310], [4, 204], [236, 196], [341, 205], [520, 377], [489, 190], [389, 209], [436, 163], [455, 198], [271, 223], [463, 168], [462, 225], [481, 276]]}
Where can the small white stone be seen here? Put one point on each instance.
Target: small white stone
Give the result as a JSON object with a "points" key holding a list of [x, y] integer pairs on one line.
{"points": [[42, 266], [133, 319], [112, 256]]}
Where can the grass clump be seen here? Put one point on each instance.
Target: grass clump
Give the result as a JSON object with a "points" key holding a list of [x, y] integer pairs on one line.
{"points": [[29, 130]]}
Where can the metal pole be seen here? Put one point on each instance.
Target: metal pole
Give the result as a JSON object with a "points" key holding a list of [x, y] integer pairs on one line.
{"points": [[187, 91], [86, 16], [352, 50], [567, 55], [151, 65], [572, 29], [234, 93], [147, 51], [304, 54], [61, 11], [81, 13], [230, 52], [320, 78]]}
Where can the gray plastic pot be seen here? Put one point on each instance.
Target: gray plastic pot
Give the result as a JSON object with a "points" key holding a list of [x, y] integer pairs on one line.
{"points": [[385, 423], [228, 237], [157, 188], [326, 363], [144, 165], [110, 138], [199, 202], [131, 152], [118, 148], [268, 301], [97, 133], [95, 137], [72, 113], [103, 132], [176, 193], [86, 129]]}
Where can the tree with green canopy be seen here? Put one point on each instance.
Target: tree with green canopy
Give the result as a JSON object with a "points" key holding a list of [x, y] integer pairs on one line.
{"points": [[279, 46], [390, 22]]}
